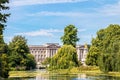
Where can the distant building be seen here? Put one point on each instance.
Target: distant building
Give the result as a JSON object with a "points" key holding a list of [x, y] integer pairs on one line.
{"points": [[82, 51], [41, 52]]}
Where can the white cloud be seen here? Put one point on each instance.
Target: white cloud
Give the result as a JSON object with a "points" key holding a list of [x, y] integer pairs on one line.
{"points": [[67, 14], [34, 2], [111, 9], [44, 32], [41, 32]]}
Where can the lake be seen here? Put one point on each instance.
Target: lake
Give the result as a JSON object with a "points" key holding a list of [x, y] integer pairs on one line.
{"points": [[42, 75]]}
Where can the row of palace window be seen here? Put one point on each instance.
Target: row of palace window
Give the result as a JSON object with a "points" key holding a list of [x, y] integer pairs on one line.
{"points": [[38, 51], [43, 51], [40, 56]]}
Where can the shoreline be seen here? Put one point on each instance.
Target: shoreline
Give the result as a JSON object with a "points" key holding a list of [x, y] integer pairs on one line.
{"points": [[74, 71]]}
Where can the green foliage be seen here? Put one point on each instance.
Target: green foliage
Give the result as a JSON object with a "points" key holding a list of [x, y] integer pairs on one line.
{"points": [[3, 16], [19, 45], [30, 62], [65, 58], [88, 68], [4, 68], [70, 36], [19, 55], [107, 52], [92, 56], [46, 61]]}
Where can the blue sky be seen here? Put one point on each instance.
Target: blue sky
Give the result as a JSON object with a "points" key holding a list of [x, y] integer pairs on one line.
{"points": [[43, 21]]}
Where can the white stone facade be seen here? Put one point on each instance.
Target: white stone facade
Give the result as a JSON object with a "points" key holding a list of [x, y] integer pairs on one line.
{"points": [[82, 51], [41, 52]]}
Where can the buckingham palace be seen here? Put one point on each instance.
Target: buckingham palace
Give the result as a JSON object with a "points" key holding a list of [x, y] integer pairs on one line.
{"points": [[41, 52]]}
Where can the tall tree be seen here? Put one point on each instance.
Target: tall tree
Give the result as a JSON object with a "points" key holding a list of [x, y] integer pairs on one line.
{"points": [[3, 46], [3, 16], [3, 20], [106, 48], [70, 36], [19, 54]]}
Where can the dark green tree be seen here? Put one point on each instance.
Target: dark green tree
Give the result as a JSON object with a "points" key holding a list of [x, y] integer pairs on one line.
{"points": [[107, 48], [65, 58], [70, 36], [3, 47], [3, 17], [30, 62], [3, 20], [4, 68], [19, 56]]}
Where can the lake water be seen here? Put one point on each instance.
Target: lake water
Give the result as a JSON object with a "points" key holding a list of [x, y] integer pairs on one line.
{"points": [[54, 76], [68, 77]]}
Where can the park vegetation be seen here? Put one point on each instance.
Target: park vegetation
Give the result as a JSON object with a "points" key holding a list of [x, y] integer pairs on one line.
{"points": [[104, 52], [16, 55], [19, 55], [70, 36], [4, 68], [66, 56], [105, 49]]}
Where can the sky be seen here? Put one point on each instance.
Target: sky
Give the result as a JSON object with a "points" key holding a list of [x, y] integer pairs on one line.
{"points": [[43, 21]]}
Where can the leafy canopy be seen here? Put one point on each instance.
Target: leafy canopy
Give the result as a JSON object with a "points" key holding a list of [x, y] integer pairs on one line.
{"points": [[4, 69], [106, 49], [70, 36], [66, 57], [19, 55]]}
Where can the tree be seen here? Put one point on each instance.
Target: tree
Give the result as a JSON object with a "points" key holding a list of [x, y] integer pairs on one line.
{"points": [[106, 48], [3, 47], [3, 20], [30, 64], [65, 58], [3, 16], [4, 68], [19, 55], [19, 45], [70, 36], [46, 61], [92, 56]]}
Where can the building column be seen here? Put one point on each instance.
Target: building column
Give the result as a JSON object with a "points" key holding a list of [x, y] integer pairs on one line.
{"points": [[84, 56], [78, 53], [47, 53]]}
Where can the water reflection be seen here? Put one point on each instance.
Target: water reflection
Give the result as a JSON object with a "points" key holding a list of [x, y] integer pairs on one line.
{"points": [[55, 77], [68, 77]]}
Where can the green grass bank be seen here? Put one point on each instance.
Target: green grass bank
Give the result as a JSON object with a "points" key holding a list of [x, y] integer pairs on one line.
{"points": [[89, 70]]}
